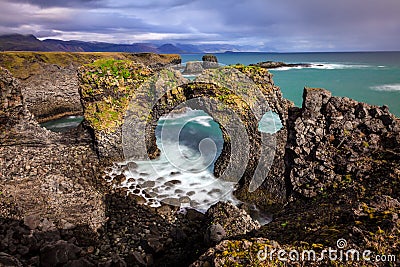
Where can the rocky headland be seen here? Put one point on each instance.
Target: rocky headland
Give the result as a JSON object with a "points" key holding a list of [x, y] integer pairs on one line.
{"points": [[275, 65], [335, 173]]}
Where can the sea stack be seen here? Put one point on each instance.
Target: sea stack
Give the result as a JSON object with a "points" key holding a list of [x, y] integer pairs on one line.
{"points": [[209, 61]]}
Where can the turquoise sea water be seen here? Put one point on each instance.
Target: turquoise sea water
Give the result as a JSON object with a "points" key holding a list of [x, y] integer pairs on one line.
{"points": [[63, 124], [371, 77]]}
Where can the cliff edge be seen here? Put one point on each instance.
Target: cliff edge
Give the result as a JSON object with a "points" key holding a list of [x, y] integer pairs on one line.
{"points": [[49, 81]]}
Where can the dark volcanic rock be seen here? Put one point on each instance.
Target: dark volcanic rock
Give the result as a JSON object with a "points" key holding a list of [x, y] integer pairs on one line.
{"points": [[271, 195], [99, 84], [332, 139], [214, 234], [9, 261], [274, 65], [46, 181], [209, 58], [12, 109], [233, 221], [16, 122], [58, 253]]}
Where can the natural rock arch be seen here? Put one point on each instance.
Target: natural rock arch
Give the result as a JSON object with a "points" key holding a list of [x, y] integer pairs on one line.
{"points": [[234, 100], [201, 96], [106, 87]]}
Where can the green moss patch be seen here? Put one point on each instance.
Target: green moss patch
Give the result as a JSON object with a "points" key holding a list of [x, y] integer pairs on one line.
{"points": [[107, 86]]}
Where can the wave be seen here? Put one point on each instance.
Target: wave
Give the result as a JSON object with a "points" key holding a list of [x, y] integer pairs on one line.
{"points": [[327, 66], [387, 87], [178, 114], [203, 120], [187, 115]]}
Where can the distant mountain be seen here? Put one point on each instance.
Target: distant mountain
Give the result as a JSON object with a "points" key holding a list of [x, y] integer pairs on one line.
{"points": [[18, 42], [170, 49], [189, 48]]}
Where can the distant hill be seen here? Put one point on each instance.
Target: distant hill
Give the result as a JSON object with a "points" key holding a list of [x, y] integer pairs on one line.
{"points": [[18, 42], [170, 49]]}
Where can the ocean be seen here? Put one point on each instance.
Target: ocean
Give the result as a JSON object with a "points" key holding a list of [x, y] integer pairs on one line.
{"points": [[371, 77]]}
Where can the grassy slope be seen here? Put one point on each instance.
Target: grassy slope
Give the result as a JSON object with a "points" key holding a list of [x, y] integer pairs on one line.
{"points": [[25, 64]]}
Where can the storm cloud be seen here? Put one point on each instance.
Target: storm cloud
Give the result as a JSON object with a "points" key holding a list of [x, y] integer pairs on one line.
{"points": [[285, 25]]}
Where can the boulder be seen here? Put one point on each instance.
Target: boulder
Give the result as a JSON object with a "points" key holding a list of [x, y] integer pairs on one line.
{"points": [[214, 234], [194, 67], [58, 253], [226, 220]]}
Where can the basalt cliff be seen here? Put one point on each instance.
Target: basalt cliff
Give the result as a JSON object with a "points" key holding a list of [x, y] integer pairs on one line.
{"points": [[49, 81], [334, 169]]}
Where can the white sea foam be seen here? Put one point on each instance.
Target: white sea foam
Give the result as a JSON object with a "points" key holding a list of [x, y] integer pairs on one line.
{"points": [[181, 174], [169, 183], [290, 68], [387, 87], [326, 66], [203, 120]]}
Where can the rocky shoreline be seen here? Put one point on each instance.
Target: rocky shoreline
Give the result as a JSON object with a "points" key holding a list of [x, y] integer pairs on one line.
{"points": [[275, 65], [336, 174], [58, 210]]}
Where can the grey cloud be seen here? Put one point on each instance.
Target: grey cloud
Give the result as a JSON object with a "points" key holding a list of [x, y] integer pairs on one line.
{"points": [[59, 3], [279, 25]]}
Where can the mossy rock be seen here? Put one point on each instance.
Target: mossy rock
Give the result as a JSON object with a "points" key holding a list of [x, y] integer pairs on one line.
{"points": [[107, 86]]}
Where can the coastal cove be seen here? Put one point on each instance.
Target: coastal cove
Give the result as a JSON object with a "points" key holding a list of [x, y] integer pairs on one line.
{"points": [[371, 77], [145, 178]]}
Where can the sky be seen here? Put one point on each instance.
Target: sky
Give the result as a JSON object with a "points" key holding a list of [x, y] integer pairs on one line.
{"points": [[266, 25]]}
